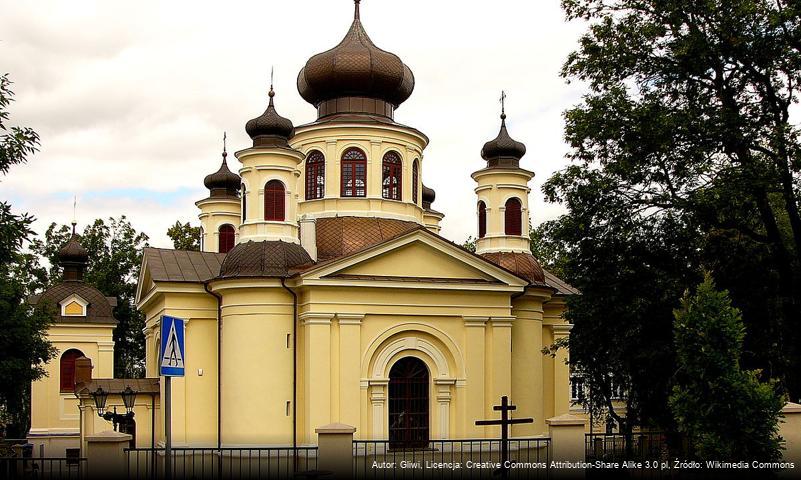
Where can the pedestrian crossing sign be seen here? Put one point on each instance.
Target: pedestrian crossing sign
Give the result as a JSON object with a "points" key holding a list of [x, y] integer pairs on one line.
{"points": [[172, 355]]}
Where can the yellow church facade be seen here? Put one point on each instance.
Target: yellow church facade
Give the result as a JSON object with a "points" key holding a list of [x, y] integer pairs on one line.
{"points": [[324, 293]]}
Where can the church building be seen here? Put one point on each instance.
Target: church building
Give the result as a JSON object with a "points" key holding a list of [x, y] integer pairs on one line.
{"points": [[323, 292]]}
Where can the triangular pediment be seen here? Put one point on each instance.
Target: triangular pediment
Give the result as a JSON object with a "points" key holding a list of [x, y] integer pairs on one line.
{"points": [[419, 256]]}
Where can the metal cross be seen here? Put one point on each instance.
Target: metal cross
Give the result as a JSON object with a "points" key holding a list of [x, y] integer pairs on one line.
{"points": [[503, 102], [504, 422]]}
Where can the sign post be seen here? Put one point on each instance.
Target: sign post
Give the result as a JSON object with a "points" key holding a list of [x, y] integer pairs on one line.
{"points": [[172, 364], [504, 422]]}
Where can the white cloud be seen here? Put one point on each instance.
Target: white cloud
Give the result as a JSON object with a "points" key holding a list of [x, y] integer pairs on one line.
{"points": [[133, 97]]}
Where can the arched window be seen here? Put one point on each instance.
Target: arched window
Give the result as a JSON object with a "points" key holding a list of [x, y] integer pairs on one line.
{"points": [[391, 181], [67, 370], [315, 175], [244, 203], [513, 218], [482, 219], [408, 404], [274, 201], [354, 173], [227, 234], [415, 180]]}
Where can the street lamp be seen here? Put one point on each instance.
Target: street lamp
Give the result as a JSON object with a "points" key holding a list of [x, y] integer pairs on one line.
{"points": [[128, 399]]}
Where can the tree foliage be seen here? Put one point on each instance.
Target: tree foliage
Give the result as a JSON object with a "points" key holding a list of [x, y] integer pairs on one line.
{"points": [[684, 158], [115, 254], [24, 348], [710, 385], [184, 236]]}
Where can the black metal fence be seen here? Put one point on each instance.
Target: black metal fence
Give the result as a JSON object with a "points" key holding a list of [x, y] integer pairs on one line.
{"points": [[617, 447], [469, 458], [43, 468], [220, 463]]}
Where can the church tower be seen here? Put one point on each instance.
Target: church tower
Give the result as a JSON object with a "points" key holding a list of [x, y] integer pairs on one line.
{"points": [[219, 213], [270, 179], [502, 192]]}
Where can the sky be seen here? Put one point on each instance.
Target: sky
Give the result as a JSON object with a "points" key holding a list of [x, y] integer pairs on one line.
{"points": [[131, 99]]}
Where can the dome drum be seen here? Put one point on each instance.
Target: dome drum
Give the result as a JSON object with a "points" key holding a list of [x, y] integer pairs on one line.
{"points": [[364, 105]]}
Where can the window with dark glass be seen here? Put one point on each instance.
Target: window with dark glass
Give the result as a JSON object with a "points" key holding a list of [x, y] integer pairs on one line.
{"points": [[315, 175], [482, 220], [354, 173], [226, 240], [408, 404], [391, 181], [274, 201], [244, 204], [67, 370], [514, 217], [415, 180]]}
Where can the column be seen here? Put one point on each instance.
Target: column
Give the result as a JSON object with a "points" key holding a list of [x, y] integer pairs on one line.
{"points": [[349, 368], [443, 389], [527, 365], [475, 351], [318, 370], [378, 401], [501, 362], [561, 372]]}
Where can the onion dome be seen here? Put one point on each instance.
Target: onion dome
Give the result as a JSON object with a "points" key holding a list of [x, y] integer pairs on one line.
{"points": [[223, 182], [270, 129], [73, 257], [522, 264], [264, 259], [355, 76], [503, 151], [429, 195]]}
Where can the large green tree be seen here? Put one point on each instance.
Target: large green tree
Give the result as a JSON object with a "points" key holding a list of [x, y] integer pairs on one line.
{"points": [[24, 348], [184, 236], [684, 157], [710, 384], [115, 254]]}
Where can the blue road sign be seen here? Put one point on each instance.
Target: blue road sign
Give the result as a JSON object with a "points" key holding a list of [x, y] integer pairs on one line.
{"points": [[172, 356]]}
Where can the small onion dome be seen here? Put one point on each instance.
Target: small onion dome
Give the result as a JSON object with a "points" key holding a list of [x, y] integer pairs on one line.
{"points": [[270, 129], [73, 251], [264, 259], [429, 195], [522, 264], [356, 68], [503, 151], [223, 182]]}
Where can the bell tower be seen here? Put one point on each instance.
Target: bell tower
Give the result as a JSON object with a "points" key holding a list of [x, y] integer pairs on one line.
{"points": [[502, 191], [219, 213]]}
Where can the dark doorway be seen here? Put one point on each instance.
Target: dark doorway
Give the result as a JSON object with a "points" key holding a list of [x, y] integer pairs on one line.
{"points": [[408, 404]]}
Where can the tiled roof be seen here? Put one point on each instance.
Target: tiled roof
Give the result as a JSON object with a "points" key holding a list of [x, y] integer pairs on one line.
{"points": [[167, 265], [117, 385], [343, 236], [99, 308], [524, 265], [265, 259]]}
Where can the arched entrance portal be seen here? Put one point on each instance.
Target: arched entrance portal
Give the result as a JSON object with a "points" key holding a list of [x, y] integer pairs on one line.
{"points": [[408, 404]]}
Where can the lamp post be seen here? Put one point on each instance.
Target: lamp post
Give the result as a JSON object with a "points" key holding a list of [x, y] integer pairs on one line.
{"points": [[128, 399]]}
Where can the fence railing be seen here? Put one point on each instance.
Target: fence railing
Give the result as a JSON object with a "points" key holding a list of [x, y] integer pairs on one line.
{"points": [[469, 458], [43, 468], [220, 463], [621, 447]]}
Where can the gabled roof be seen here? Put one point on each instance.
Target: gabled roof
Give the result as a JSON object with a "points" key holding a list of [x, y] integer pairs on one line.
{"points": [[165, 265], [562, 287]]}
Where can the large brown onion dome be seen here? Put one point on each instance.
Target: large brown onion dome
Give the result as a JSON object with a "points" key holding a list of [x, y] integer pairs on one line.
{"points": [[355, 72], [223, 182], [503, 150], [522, 264], [269, 128], [429, 195], [264, 259]]}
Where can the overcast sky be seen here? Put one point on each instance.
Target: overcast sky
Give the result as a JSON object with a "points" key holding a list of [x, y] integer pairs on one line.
{"points": [[131, 98]]}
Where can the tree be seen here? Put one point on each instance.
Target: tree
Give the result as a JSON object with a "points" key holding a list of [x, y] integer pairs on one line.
{"points": [[683, 159], [710, 384], [24, 348], [115, 254], [184, 236]]}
